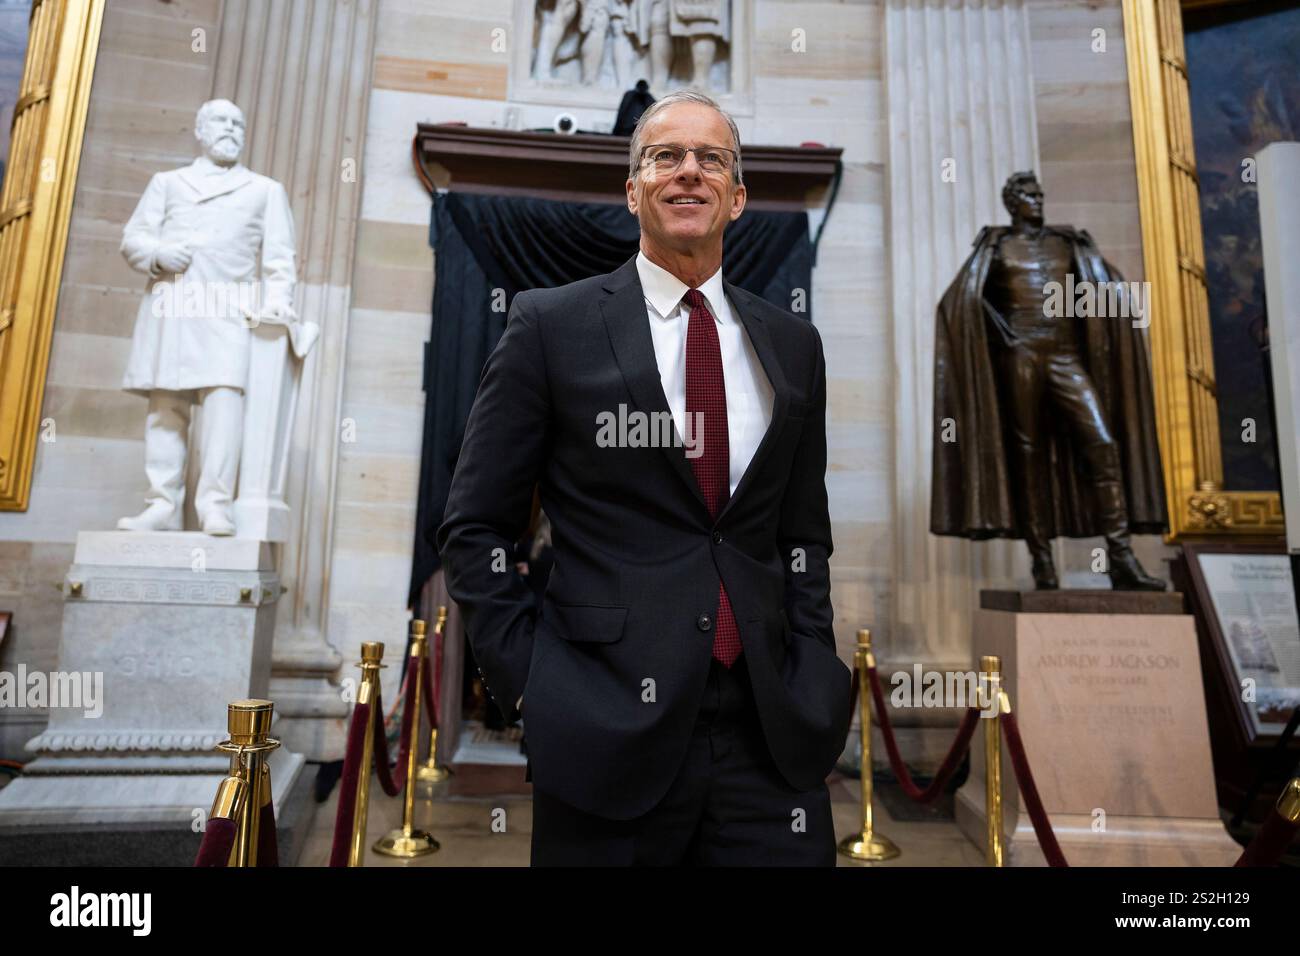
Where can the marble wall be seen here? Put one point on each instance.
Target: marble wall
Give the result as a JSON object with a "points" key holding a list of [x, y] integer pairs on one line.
{"points": [[1085, 133], [816, 74], [835, 89], [148, 82], [441, 66]]}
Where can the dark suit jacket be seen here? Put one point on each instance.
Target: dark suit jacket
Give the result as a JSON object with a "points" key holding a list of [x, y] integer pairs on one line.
{"points": [[614, 667]]}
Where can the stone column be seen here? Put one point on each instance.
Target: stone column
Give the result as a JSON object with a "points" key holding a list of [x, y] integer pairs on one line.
{"points": [[301, 71], [961, 119]]}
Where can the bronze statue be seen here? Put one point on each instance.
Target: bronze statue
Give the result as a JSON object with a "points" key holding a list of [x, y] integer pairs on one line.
{"points": [[1044, 422]]}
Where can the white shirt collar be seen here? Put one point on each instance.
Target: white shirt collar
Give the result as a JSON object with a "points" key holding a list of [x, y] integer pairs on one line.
{"points": [[664, 291]]}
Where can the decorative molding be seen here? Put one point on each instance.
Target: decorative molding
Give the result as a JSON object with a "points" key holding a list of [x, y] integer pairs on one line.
{"points": [[151, 740], [1182, 357], [49, 123], [252, 591], [1234, 512], [1208, 512], [593, 168]]}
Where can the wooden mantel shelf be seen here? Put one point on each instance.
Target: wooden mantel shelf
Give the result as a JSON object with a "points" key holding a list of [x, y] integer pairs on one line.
{"points": [[593, 168]]}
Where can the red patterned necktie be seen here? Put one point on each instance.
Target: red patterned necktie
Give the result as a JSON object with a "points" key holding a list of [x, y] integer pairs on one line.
{"points": [[706, 395]]}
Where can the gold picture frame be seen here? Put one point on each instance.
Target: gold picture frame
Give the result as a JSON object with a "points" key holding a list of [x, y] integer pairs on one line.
{"points": [[35, 211], [1182, 358]]}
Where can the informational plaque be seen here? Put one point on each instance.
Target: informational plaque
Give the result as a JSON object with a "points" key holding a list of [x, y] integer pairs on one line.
{"points": [[1253, 602]]}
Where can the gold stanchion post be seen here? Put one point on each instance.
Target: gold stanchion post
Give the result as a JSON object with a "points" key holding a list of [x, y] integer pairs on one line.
{"points": [[249, 724], [406, 841], [372, 656], [866, 844], [1288, 801], [991, 683], [431, 772]]}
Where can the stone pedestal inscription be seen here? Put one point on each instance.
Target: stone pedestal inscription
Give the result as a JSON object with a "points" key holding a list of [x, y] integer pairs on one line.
{"points": [[1113, 719]]}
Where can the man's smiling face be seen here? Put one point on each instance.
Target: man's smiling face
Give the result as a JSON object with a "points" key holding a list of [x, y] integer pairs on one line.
{"points": [[688, 208]]}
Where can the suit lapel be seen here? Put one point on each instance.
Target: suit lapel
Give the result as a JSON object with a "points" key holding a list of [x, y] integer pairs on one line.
{"points": [[628, 327], [742, 305]]}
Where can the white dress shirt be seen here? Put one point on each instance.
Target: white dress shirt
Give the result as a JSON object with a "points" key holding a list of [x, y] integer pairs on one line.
{"points": [[749, 393]]}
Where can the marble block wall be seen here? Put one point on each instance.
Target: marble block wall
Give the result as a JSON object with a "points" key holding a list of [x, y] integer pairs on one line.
{"points": [[148, 82], [438, 62], [440, 66]]}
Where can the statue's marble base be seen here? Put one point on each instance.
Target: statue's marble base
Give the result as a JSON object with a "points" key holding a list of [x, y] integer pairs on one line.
{"points": [[161, 631], [1112, 714], [1126, 841], [63, 839], [61, 791]]}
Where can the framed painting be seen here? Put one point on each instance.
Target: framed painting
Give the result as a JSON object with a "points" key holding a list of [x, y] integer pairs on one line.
{"points": [[47, 59], [1210, 82]]}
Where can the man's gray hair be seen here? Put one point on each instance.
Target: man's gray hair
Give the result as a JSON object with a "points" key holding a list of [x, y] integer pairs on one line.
{"points": [[680, 96]]}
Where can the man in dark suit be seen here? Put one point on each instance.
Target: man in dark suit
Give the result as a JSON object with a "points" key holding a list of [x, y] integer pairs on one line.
{"points": [[681, 693]]}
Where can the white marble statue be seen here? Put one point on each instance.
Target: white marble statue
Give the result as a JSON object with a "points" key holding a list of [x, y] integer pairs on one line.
{"points": [[591, 18], [217, 242], [641, 33], [704, 23]]}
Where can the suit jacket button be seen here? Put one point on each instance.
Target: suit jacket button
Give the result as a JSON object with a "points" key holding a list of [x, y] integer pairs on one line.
{"points": [[704, 622], [717, 537]]}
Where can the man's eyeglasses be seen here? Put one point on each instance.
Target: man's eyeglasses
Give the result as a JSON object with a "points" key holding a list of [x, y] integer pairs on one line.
{"points": [[667, 157]]}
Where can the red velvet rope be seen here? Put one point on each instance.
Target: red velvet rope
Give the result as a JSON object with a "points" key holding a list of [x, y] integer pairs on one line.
{"points": [[383, 766], [1270, 842], [437, 679], [268, 850], [1028, 790], [950, 762], [428, 697], [348, 785], [218, 839], [393, 780]]}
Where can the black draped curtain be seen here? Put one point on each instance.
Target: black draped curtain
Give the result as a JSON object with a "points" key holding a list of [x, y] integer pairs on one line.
{"points": [[488, 248]]}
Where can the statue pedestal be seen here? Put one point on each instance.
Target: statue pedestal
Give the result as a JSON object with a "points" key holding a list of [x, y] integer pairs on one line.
{"points": [[1106, 686], [165, 629]]}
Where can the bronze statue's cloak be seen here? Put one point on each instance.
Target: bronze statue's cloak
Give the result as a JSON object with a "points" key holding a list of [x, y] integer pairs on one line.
{"points": [[973, 495]]}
